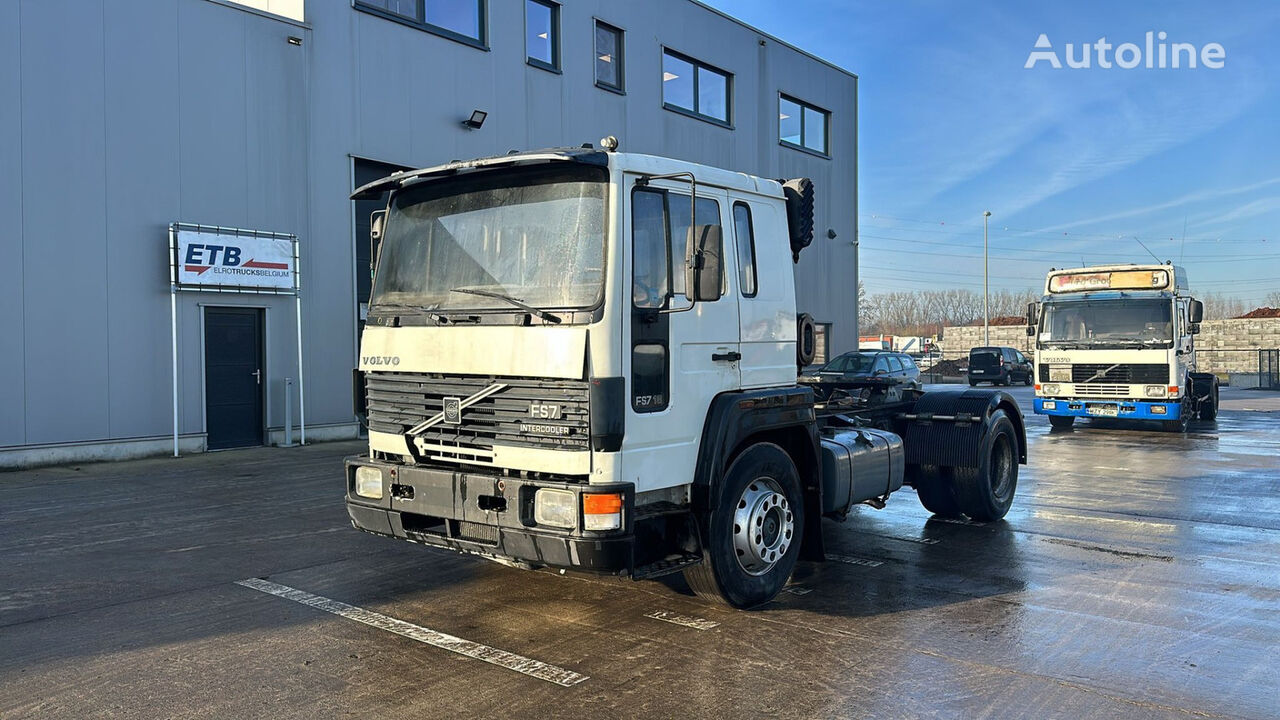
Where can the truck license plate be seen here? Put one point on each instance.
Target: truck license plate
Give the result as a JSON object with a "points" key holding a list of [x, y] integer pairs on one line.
{"points": [[1103, 410]]}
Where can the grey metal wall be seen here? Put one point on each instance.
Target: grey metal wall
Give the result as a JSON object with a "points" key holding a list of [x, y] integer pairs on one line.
{"points": [[135, 113]]}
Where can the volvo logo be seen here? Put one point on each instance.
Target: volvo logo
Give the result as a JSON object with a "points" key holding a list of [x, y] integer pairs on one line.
{"points": [[453, 410]]}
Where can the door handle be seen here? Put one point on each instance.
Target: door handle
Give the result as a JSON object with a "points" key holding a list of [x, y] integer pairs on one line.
{"points": [[726, 357], [257, 375]]}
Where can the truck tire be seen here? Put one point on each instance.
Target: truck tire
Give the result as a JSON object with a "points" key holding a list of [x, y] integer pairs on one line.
{"points": [[1061, 422], [1181, 424], [985, 493], [933, 487], [753, 537]]}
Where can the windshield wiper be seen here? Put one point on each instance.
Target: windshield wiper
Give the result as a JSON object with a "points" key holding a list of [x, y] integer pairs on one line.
{"points": [[543, 314], [431, 312]]}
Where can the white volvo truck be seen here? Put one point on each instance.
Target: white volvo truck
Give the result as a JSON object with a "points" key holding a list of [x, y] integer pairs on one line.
{"points": [[579, 358], [1118, 341]]}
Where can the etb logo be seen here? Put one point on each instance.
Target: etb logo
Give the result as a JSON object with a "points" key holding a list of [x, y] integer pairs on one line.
{"points": [[201, 257]]}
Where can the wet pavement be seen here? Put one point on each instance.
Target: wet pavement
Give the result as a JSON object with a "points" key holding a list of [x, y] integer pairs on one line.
{"points": [[1136, 576]]}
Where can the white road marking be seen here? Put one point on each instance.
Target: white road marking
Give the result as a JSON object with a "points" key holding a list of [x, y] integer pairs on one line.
{"points": [[685, 620], [493, 656], [918, 541], [957, 521], [850, 560]]}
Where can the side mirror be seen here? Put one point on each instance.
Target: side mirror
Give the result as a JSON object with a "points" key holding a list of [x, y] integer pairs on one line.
{"points": [[376, 221], [1033, 317], [1195, 328], [703, 263], [1197, 313]]}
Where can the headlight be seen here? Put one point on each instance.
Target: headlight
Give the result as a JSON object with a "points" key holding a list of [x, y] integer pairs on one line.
{"points": [[1155, 391], [369, 482], [1060, 373], [555, 508], [1051, 389]]}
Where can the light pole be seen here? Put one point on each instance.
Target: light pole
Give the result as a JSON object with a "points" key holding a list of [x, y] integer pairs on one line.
{"points": [[986, 317]]}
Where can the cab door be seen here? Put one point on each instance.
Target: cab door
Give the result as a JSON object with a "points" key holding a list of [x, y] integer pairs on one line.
{"points": [[681, 354]]}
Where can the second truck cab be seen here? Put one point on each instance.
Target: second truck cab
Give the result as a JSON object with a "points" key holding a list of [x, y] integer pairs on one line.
{"points": [[1118, 341]]}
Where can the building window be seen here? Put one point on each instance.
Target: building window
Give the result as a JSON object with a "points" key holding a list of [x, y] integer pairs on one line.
{"points": [[801, 125], [609, 74], [542, 34], [461, 20], [695, 88], [746, 245]]}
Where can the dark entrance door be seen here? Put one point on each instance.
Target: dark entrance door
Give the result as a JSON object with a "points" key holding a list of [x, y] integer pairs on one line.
{"points": [[233, 376]]}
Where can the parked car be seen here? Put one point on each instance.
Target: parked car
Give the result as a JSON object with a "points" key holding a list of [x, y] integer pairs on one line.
{"points": [[872, 363], [999, 366]]}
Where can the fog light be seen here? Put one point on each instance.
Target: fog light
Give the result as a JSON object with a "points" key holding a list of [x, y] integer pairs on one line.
{"points": [[1049, 405], [1051, 389], [1155, 390], [555, 508], [1157, 410], [369, 482], [601, 511]]}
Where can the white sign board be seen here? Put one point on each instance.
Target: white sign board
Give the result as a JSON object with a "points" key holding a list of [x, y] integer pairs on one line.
{"points": [[220, 259]]}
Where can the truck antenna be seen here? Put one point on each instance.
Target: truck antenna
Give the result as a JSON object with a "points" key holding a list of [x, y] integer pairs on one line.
{"points": [[1182, 252], [1144, 247]]}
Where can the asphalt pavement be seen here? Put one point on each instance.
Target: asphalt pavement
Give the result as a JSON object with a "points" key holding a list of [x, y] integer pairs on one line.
{"points": [[1136, 576]]}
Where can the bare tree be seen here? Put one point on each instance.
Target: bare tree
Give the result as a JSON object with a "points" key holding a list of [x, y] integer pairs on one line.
{"points": [[1273, 299], [1218, 306]]}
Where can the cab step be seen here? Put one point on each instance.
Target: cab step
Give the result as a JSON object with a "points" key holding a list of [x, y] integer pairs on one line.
{"points": [[666, 566]]}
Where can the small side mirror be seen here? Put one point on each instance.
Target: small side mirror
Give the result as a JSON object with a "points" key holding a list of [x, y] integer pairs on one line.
{"points": [[1197, 312], [1033, 317], [703, 263], [376, 221], [1031, 331], [1195, 328]]}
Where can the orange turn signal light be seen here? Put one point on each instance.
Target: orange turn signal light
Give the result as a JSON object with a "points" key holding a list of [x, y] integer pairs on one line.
{"points": [[601, 504], [1173, 389]]}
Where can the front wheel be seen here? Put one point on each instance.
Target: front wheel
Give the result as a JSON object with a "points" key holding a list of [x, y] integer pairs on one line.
{"points": [[752, 541]]}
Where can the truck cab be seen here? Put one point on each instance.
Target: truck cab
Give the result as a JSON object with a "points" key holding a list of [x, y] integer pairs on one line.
{"points": [[1118, 341], [582, 358]]}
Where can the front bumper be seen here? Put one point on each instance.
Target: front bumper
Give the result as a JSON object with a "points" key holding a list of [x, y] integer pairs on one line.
{"points": [[1100, 407], [487, 515]]}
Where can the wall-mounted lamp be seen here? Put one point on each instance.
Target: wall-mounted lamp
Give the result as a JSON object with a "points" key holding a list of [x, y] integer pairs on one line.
{"points": [[295, 40], [476, 120]]}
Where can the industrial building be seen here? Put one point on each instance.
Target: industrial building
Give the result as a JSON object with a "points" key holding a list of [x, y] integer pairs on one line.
{"points": [[124, 117]]}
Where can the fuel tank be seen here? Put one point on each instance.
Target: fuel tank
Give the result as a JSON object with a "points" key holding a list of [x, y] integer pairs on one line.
{"points": [[859, 464]]}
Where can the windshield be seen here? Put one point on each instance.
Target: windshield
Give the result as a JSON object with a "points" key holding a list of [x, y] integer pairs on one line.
{"points": [[533, 235], [850, 364], [1116, 323]]}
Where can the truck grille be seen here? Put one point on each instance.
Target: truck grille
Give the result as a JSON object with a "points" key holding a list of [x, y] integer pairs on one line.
{"points": [[1098, 390], [400, 401], [1134, 374]]}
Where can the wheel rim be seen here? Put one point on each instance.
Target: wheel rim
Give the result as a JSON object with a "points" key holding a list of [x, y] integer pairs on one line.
{"points": [[763, 526], [1002, 464]]}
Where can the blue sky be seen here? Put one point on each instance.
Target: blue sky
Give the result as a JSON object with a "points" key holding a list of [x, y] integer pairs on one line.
{"points": [[1072, 163]]}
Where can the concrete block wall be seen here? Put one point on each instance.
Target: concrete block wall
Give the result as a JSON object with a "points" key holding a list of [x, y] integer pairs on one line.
{"points": [[1222, 346]]}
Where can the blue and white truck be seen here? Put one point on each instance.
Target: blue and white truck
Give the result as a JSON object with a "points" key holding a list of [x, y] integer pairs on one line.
{"points": [[1118, 341]]}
